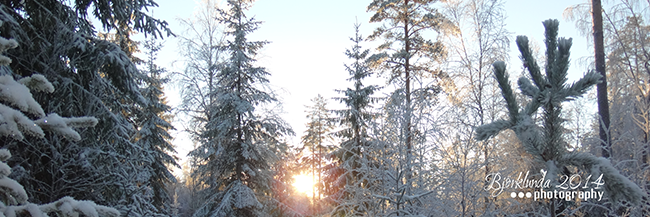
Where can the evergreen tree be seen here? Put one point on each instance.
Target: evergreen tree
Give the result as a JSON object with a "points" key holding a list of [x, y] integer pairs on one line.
{"points": [[316, 136], [353, 153], [240, 143], [406, 54], [93, 77], [17, 104], [153, 134], [410, 62], [545, 143]]}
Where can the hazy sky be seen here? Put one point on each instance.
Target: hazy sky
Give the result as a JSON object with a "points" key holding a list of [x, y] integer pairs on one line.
{"points": [[308, 39]]}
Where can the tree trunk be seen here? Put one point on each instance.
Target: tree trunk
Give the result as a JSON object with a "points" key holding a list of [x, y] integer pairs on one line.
{"points": [[553, 208], [601, 88], [313, 178], [407, 72]]}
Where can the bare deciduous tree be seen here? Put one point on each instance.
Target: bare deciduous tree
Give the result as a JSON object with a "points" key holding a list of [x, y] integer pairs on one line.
{"points": [[478, 40]]}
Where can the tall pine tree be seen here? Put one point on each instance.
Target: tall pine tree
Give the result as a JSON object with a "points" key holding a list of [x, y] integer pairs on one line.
{"points": [[240, 143], [406, 54], [410, 62]]}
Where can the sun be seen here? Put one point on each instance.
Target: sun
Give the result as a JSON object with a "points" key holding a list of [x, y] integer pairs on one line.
{"points": [[303, 183]]}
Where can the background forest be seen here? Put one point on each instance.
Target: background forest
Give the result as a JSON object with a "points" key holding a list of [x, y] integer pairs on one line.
{"points": [[435, 116]]}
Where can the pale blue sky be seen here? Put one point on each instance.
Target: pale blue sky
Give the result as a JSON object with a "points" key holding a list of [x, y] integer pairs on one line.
{"points": [[308, 39]]}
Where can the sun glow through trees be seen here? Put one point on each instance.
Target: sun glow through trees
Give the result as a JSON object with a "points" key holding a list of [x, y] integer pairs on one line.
{"points": [[304, 183]]}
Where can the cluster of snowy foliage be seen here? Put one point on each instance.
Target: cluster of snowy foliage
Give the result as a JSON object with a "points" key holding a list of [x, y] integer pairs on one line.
{"points": [[14, 200], [93, 76], [545, 143], [6, 44], [16, 100]]}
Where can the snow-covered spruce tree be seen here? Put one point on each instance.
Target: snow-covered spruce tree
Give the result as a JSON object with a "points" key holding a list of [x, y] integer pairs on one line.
{"points": [[318, 141], [142, 188], [545, 143], [16, 106], [354, 154], [92, 77], [240, 142], [153, 134]]}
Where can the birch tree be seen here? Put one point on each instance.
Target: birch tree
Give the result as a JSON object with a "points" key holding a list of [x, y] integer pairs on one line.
{"points": [[479, 38], [202, 45]]}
